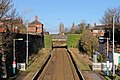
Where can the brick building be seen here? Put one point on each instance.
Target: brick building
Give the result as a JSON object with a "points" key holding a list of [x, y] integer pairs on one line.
{"points": [[98, 30], [35, 27], [13, 25]]}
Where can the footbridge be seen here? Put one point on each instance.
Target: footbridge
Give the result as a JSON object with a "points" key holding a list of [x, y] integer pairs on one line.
{"points": [[59, 40]]}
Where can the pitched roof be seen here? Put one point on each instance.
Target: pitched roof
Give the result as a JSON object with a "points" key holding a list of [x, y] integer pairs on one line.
{"points": [[98, 28], [35, 21], [103, 26]]}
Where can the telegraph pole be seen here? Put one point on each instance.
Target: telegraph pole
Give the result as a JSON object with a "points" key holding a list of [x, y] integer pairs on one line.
{"points": [[113, 44], [27, 47], [107, 70]]}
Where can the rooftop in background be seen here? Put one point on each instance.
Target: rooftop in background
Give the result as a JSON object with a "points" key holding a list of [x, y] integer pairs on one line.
{"points": [[104, 26], [35, 21], [13, 25], [35, 27]]}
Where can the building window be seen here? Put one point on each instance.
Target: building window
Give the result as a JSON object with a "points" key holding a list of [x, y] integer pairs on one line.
{"points": [[37, 28]]}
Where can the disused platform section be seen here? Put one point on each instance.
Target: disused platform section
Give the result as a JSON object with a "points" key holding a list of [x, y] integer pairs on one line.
{"points": [[59, 41]]}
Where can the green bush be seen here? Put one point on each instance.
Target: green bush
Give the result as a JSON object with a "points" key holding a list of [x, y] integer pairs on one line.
{"points": [[118, 67], [73, 40], [100, 58], [88, 42], [48, 41]]}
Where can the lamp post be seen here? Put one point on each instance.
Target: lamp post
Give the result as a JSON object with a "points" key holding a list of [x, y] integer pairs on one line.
{"points": [[27, 47], [113, 45], [14, 57], [107, 70]]}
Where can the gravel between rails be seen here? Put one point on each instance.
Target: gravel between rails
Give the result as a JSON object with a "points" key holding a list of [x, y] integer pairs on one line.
{"points": [[59, 67]]}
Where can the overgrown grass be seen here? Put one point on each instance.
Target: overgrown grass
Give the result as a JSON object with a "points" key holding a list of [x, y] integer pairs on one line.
{"points": [[72, 40], [83, 66], [81, 63], [116, 77], [38, 58], [107, 78], [48, 41]]}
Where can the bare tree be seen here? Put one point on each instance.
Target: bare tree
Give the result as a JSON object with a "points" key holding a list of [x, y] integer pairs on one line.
{"points": [[107, 19], [6, 9], [108, 16], [82, 26], [73, 29], [67, 30], [7, 16], [88, 42]]}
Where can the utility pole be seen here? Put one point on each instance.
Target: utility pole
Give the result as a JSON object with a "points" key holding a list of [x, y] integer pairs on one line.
{"points": [[113, 44], [107, 70], [27, 47], [107, 47]]}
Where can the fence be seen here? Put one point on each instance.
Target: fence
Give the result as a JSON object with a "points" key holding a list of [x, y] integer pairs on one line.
{"points": [[101, 66]]}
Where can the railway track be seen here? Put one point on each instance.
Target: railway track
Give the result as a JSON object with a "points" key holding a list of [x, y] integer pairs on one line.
{"points": [[59, 67]]}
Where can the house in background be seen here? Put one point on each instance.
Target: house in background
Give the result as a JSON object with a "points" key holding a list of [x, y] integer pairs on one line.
{"points": [[102, 31], [35, 27], [98, 30], [13, 25]]}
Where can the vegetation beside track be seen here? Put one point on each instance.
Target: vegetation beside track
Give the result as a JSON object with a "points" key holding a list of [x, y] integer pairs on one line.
{"points": [[34, 67], [80, 61], [73, 40], [47, 41]]}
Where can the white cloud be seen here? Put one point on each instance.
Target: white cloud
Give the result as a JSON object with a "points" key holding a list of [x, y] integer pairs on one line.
{"points": [[27, 10]]}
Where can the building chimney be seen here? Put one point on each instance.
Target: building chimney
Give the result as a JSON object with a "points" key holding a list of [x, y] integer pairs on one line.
{"points": [[36, 18]]}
